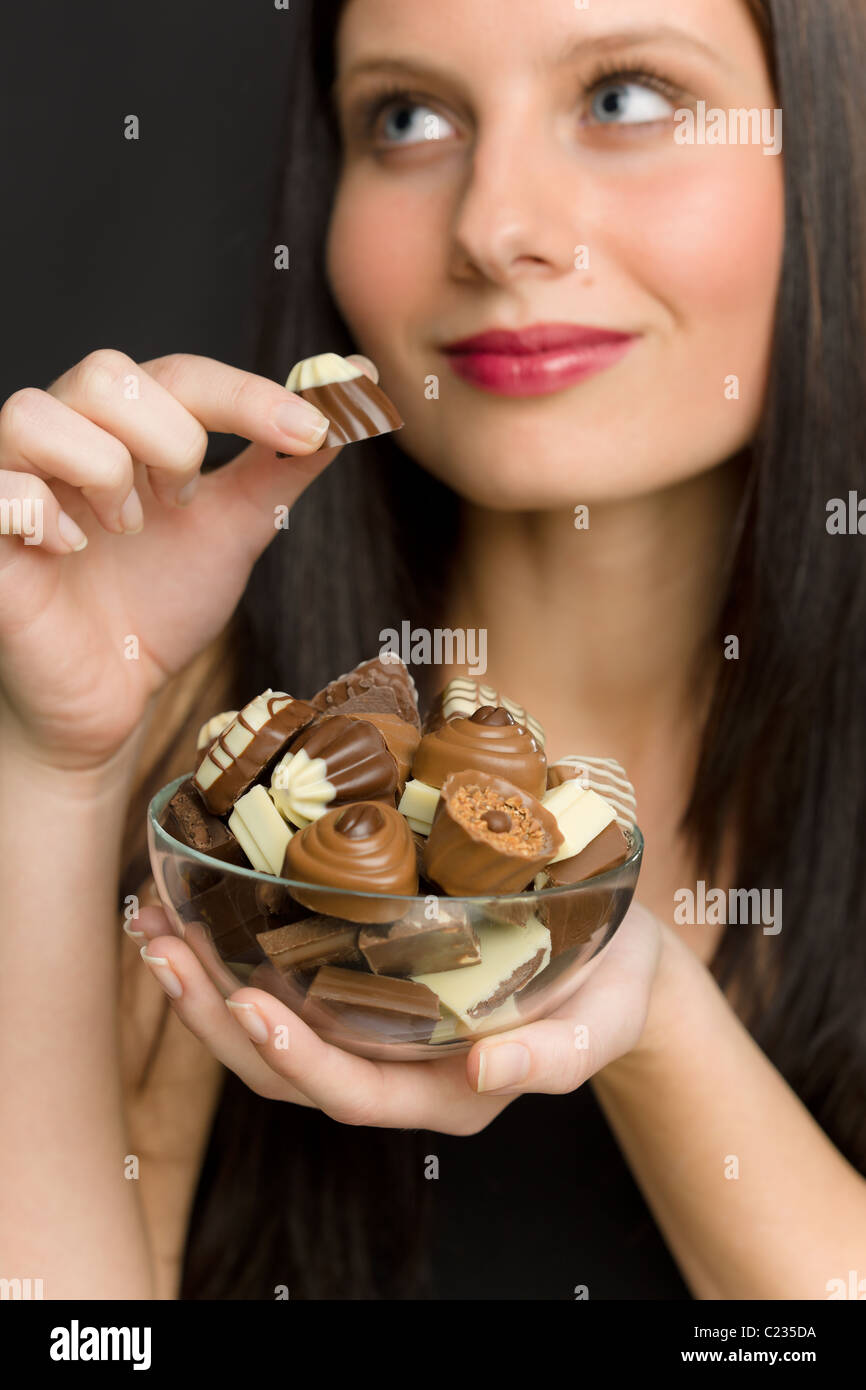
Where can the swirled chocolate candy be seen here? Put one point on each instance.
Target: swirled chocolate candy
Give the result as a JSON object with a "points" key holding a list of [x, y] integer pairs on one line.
{"points": [[605, 776], [488, 836], [365, 847], [385, 687], [401, 737], [245, 751], [490, 741], [336, 761], [463, 695], [355, 406]]}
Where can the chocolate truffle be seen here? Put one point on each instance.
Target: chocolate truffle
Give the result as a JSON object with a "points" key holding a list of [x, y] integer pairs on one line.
{"points": [[365, 847], [490, 741], [488, 836], [463, 695], [355, 406]]}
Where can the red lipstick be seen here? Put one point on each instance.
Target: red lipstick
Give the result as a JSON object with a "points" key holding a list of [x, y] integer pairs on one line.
{"points": [[536, 361]]}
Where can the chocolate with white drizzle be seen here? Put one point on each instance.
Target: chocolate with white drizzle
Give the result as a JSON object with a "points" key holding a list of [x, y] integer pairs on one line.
{"points": [[353, 404]]}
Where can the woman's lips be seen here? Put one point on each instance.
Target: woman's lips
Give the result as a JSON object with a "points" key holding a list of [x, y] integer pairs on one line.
{"points": [[536, 361]]}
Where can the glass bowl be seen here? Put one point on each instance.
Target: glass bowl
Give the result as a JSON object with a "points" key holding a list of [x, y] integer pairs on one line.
{"points": [[545, 939]]}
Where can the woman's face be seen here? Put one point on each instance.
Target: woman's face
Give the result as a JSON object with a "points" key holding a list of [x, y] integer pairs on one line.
{"points": [[517, 165]]}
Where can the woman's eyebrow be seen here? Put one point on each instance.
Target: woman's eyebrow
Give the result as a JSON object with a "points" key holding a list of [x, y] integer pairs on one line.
{"points": [[575, 49]]}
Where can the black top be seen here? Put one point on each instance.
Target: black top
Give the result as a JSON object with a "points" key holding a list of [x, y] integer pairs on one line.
{"points": [[540, 1203]]}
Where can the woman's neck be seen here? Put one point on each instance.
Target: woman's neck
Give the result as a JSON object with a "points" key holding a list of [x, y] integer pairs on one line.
{"points": [[606, 634]]}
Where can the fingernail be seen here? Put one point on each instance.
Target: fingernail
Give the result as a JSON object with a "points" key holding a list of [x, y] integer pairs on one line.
{"points": [[300, 421], [132, 514], [359, 358], [71, 532], [163, 973], [507, 1064], [136, 935], [187, 492], [250, 1019]]}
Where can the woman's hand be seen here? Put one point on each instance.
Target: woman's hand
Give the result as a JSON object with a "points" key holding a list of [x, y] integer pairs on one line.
{"points": [[111, 451], [602, 1021]]}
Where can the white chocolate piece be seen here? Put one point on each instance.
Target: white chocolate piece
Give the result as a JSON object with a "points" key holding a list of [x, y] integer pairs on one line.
{"points": [[460, 701], [505, 947], [418, 804], [580, 815], [300, 789], [260, 831], [240, 735], [213, 728], [323, 370], [607, 777]]}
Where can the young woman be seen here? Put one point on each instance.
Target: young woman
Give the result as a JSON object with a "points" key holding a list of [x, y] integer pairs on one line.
{"points": [[471, 171]]}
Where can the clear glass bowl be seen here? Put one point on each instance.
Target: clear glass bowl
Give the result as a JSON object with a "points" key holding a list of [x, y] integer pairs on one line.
{"points": [[221, 910]]}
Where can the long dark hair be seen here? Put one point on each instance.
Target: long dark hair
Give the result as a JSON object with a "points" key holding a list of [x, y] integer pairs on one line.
{"points": [[286, 1196]]}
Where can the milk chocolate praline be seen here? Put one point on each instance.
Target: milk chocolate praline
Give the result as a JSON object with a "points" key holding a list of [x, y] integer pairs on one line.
{"points": [[365, 847], [488, 836], [490, 741]]}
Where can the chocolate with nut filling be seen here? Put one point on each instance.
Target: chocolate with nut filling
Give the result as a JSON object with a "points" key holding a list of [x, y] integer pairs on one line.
{"points": [[490, 741], [366, 847], [488, 836]]}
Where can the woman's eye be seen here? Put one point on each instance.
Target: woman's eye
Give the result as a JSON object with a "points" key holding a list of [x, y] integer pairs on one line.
{"points": [[629, 103], [410, 122]]}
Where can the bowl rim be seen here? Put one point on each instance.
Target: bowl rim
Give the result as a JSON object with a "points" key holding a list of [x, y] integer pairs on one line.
{"points": [[164, 795]]}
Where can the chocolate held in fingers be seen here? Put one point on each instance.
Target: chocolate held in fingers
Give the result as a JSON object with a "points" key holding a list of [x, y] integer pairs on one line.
{"points": [[353, 404]]}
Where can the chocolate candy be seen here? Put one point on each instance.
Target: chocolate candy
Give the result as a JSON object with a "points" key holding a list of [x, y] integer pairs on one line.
{"points": [[372, 999], [418, 804], [603, 852], [387, 687], [488, 836], [355, 406], [336, 761], [247, 748], [401, 738], [603, 775], [260, 830], [313, 942], [510, 957], [188, 820], [580, 815], [410, 948], [213, 728], [365, 847], [462, 696], [492, 742]]}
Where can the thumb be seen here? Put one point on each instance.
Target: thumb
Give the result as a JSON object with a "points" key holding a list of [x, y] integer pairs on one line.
{"points": [[267, 483]]}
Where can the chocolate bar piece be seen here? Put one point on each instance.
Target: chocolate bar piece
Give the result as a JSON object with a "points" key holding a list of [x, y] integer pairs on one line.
{"points": [[377, 679], [462, 696], [488, 836], [379, 993], [604, 852], [362, 848], [580, 815], [314, 942], [414, 948], [603, 775], [336, 761], [510, 957], [490, 741], [246, 750], [188, 820], [261, 831], [355, 406]]}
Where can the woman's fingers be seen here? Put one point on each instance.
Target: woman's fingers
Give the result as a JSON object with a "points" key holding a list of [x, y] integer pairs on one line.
{"points": [[600, 1022], [201, 1007]]}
